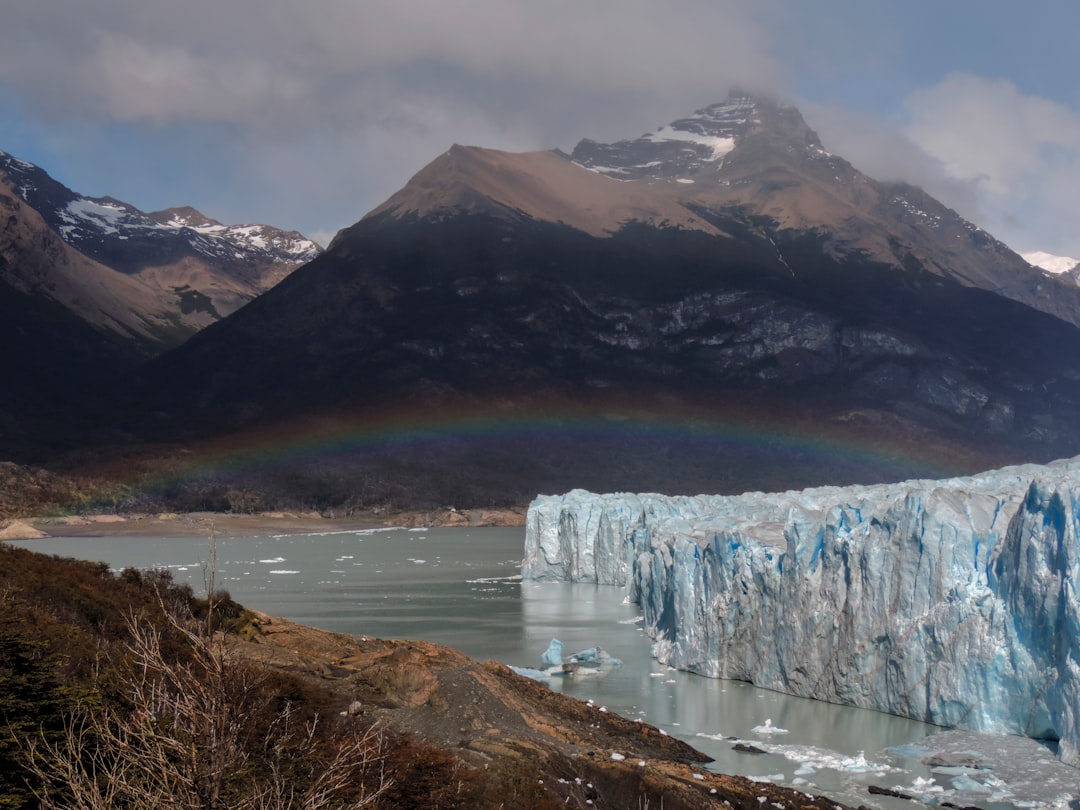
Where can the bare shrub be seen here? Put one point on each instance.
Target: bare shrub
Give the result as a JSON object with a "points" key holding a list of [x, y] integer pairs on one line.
{"points": [[185, 736]]}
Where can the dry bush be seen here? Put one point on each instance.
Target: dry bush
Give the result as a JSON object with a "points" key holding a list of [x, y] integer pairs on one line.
{"points": [[191, 734]]}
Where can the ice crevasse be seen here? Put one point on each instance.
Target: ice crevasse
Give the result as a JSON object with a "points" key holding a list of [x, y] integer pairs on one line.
{"points": [[952, 602]]}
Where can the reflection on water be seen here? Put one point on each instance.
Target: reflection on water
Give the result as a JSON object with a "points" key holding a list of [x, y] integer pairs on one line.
{"points": [[462, 588]]}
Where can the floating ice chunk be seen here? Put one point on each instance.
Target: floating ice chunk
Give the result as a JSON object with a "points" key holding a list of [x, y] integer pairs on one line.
{"points": [[768, 728], [969, 785], [926, 786], [552, 656], [273, 560], [860, 764], [590, 662]]}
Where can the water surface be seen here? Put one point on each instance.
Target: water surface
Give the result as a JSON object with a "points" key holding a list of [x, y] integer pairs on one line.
{"points": [[462, 588]]}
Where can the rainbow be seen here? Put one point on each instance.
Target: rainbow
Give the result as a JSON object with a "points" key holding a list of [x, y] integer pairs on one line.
{"points": [[729, 435]]}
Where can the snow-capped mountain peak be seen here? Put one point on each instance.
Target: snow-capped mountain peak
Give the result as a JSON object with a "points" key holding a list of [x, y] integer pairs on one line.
{"points": [[695, 148], [276, 244], [713, 127], [677, 150], [155, 278], [103, 226]]}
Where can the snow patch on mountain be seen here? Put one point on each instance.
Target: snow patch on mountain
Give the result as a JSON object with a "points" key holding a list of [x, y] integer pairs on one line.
{"points": [[925, 218], [103, 217], [674, 151], [720, 146], [1051, 263]]}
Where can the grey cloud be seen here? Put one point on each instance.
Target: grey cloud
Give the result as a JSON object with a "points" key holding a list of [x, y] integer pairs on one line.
{"points": [[265, 63], [987, 130], [1020, 152], [375, 88], [882, 151]]}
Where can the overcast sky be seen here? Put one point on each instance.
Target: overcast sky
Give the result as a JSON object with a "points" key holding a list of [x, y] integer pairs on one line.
{"points": [[308, 114]]}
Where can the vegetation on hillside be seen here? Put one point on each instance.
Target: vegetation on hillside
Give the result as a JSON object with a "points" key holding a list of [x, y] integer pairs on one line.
{"points": [[125, 691]]}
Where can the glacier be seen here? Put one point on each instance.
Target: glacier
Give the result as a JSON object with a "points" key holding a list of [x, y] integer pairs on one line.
{"points": [[952, 602]]}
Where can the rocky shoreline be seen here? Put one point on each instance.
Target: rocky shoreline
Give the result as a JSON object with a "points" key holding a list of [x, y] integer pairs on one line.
{"points": [[193, 524], [576, 754]]}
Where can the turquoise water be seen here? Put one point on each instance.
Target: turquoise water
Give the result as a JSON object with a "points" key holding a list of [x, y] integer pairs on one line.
{"points": [[461, 587]]}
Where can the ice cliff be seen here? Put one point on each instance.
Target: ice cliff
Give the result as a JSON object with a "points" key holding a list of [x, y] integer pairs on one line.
{"points": [[952, 602]]}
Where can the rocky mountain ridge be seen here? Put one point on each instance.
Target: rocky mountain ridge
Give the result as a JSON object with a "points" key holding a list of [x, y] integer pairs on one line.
{"points": [[153, 277], [93, 224], [746, 157], [762, 157]]}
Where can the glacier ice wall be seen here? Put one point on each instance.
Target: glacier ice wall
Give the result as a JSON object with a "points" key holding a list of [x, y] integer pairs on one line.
{"points": [[953, 602]]}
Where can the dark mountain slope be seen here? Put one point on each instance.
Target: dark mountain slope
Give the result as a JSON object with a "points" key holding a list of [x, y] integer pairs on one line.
{"points": [[443, 310], [504, 320], [58, 372]]}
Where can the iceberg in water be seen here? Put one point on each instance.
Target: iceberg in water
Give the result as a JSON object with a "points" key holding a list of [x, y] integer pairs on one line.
{"points": [[952, 602], [590, 661], [552, 656]]}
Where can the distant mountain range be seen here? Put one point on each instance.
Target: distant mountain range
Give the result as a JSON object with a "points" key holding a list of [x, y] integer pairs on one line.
{"points": [[724, 270], [155, 278], [91, 287]]}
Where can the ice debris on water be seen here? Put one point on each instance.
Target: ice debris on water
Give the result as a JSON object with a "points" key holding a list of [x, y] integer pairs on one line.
{"points": [[592, 661], [951, 602], [768, 728]]}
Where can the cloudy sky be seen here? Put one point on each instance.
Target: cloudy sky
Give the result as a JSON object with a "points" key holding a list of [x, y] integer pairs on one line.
{"points": [[308, 114]]}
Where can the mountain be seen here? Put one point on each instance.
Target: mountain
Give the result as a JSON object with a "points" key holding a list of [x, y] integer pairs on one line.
{"points": [[744, 155], [542, 186], [724, 274], [761, 159], [92, 287], [153, 278]]}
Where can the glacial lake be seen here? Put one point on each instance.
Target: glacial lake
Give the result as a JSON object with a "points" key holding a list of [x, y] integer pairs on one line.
{"points": [[462, 588]]}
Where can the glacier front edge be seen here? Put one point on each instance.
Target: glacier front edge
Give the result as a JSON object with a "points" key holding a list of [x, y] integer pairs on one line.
{"points": [[952, 602]]}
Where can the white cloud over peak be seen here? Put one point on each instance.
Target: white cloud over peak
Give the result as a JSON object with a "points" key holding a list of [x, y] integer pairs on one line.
{"points": [[264, 63], [1019, 154]]}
